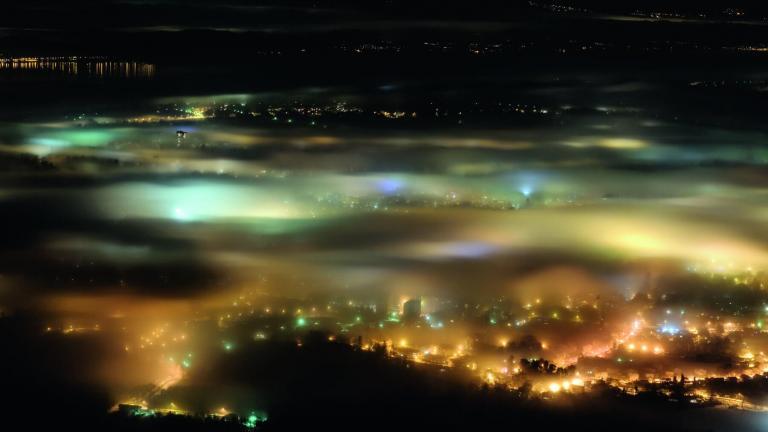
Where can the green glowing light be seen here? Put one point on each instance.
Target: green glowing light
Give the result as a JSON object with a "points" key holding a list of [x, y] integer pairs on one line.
{"points": [[253, 419], [301, 322], [228, 346], [77, 138], [142, 412]]}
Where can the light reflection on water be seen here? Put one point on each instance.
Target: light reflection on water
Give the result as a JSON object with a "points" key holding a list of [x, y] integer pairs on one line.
{"points": [[80, 66]]}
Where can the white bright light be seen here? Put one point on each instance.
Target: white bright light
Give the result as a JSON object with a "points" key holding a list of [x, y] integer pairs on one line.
{"points": [[180, 214]]}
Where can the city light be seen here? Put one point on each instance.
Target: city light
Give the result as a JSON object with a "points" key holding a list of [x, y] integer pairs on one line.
{"points": [[284, 217]]}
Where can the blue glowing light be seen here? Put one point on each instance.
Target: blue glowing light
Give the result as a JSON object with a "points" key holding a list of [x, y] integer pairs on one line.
{"points": [[49, 142], [528, 182], [669, 329], [471, 250], [389, 186], [185, 127]]}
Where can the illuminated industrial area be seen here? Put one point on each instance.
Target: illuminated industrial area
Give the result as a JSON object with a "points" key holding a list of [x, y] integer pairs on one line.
{"points": [[257, 216]]}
